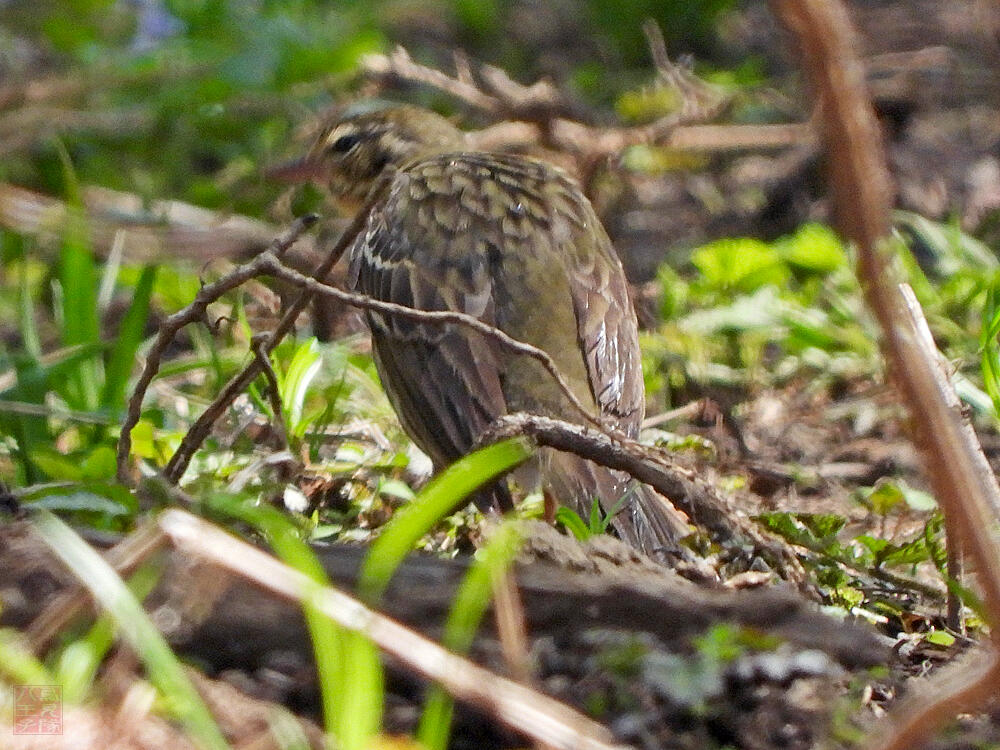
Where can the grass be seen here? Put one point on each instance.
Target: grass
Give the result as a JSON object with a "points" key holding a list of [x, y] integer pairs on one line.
{"points": [[134, 626]]}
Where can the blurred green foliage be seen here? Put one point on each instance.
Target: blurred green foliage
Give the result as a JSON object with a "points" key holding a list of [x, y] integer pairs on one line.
{"points": [[187, 99], [199, 93], [749, 313]]}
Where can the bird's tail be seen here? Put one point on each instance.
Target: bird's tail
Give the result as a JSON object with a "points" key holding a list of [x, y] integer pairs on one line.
{"points": [[642, 517]]}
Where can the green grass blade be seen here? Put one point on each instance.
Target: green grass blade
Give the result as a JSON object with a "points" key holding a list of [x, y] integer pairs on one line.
{"points": [[328, 638], [134, 625], [26, 316], [79, 661], [294, 384], [122, 357], [573, 523], [435, 501], [439, 498], [467, 611], [17, 664], [78, 282]]}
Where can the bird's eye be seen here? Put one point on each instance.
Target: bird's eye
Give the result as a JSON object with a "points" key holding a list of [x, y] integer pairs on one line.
{"points": [[344, 144]]}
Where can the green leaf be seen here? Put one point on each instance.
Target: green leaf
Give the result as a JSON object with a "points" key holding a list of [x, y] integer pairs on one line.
{"points": [[822, 525], [80, 501], [467, 611], [596, 523], [817, 531], [396, 488], [918, 499], [439, 498], [573, 523], [18, 664], [143, 440], [330, 642], [740, 264], [910, 553], [940, 638], [80, 660], [78, 284], [884, 497], [97, 463], [814, 247], [294, 385], [130, 332]]}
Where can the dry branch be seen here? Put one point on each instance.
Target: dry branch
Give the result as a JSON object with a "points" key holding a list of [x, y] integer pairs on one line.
{"points": [[543, 115], [657, 468], [267, 264], [194, 312], [862, 200]]}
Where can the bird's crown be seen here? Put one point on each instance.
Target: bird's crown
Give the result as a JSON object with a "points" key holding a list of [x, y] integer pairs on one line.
{"points": [[356, 149]]}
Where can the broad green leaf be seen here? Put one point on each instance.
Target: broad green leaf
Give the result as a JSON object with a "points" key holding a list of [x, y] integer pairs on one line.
{"points": [[741, 264], [813, 247], [940, 638]]}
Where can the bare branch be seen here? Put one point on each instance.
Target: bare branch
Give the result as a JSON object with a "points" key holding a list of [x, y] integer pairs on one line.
{"points": [[275, 268], [273, 392], [541, 104], [267, 264], [684, 488], [396, 68], [190, 314]]}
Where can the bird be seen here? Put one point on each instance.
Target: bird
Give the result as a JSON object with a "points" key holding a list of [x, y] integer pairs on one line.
{"points": [[513, 241]]}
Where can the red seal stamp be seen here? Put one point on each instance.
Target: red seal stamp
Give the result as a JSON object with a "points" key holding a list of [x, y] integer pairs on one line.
{"points": [[38, 709]]}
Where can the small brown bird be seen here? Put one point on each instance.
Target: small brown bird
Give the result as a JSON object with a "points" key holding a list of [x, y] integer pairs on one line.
{"points": [[514, 242]]}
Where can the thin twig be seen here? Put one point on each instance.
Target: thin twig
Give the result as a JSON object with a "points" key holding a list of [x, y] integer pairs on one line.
{"points": [[194, 312], [690, 410], [267, 264], [273, 392], [544, 111], [537, 716], [512, 631], [203, 425], [278, 270], [698, 99]]}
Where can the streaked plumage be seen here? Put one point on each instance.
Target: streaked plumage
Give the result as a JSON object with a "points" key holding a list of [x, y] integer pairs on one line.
{"points": [[514, 242]]}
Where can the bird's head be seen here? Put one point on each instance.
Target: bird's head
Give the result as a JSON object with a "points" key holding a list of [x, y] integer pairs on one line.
{"points": [[354, 151]]}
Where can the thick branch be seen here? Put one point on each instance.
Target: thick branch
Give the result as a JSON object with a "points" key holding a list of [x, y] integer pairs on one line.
{"points": [[657, 468]]}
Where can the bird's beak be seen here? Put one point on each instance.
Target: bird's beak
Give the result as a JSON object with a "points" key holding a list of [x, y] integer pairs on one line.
{"points": [[300, 170]]}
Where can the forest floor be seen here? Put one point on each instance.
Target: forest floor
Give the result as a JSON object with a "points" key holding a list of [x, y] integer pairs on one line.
{"points": [[827, 462]]}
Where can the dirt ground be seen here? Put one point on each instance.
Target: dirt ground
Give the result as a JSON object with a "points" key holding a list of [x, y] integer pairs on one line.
{"points": [[727, 680]]}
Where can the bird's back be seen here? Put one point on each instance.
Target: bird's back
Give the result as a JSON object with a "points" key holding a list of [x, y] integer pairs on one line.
{"points": [[514, 242]]}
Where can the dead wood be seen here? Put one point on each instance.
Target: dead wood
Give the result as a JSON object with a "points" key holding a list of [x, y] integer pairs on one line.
{"points": [[565, 587]]}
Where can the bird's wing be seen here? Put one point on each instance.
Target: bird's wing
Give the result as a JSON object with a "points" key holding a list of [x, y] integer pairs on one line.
{"points": [[443, 379], [606, 323]]}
